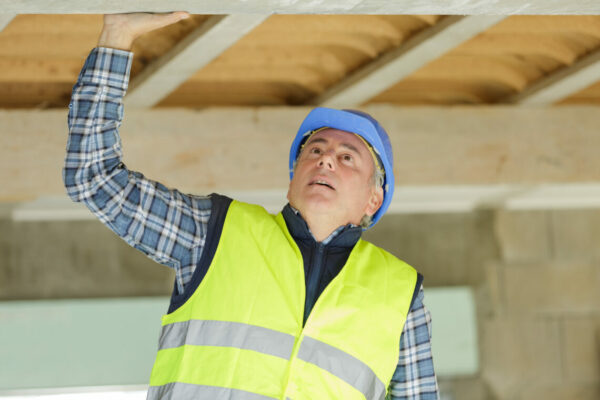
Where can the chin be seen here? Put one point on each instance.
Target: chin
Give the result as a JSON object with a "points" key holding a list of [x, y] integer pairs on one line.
{"points": [[315, 202]]}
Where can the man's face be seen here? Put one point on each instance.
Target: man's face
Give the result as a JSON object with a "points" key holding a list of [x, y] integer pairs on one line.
{"points": [[333, 178]]}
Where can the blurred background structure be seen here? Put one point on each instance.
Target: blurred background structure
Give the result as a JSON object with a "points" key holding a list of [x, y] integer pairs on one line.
{"points": [[494, 120]]}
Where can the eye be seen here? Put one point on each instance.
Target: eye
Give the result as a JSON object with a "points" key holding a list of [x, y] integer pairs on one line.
{"points": [[315, 150], [347, 157]]}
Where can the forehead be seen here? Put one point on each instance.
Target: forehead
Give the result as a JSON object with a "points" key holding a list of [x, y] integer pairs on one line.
{"points": [[338, 137]]}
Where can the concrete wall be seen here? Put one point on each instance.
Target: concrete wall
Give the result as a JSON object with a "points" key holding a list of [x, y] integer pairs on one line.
{"points": [[537, 279], [536, 275], [541, 333], [49, 260]]}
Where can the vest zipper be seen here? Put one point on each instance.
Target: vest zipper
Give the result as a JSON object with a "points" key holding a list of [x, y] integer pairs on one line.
{"points": [[314, 277], [300, 337], [298, 340]]}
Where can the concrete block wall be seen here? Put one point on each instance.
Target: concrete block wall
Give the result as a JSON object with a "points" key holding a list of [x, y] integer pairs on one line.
{"points": [[73, 259], [541, 333], [449, 249], [537, 280]]}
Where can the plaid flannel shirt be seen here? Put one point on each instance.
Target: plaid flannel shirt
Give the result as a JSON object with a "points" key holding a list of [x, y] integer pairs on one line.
{"points": [[167, 225]]}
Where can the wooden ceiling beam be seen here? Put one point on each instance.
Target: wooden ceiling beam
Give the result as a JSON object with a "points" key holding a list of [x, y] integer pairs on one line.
{"points": [[561, 84], [5, 20], [397, 64], [195, 51], [245, 149], [439, 7]]}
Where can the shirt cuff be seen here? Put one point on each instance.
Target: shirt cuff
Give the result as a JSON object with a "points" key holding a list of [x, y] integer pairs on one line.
{"points": [[107, 67]]}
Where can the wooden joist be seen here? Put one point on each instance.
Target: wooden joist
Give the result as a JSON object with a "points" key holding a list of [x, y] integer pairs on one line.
{"points": [[5, 20], [397, 64], [563, 83], [191, 54]]}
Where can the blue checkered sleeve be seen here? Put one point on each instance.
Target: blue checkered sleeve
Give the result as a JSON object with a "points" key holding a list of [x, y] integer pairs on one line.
{"points": [[165, 224], [414, 378]]}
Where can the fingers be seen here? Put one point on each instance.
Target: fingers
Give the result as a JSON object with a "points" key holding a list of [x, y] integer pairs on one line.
{"points": [[156, 21], [136, 24], [171, 18], [181, 15]]}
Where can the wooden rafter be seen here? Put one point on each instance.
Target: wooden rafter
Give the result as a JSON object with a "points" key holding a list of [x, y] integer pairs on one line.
{"points": [[395, 65], [5, 20], [563, 83], [195, 51]]}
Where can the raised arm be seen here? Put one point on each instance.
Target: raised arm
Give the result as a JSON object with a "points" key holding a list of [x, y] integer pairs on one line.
{"points": [[168, 226]]}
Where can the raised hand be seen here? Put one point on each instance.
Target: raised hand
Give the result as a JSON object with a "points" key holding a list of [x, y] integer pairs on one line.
{"points": [[120, 30]]}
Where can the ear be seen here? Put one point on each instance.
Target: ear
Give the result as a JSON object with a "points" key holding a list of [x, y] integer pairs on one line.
{"points": [[375, 201]]}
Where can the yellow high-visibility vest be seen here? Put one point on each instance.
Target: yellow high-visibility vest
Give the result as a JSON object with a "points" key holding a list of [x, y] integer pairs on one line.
{"points": [[240, 334]]}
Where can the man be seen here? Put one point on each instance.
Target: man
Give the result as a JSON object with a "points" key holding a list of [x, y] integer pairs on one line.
{"points": [[293, 306]]}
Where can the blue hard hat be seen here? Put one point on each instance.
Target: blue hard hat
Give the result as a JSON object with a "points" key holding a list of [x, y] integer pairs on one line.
{"points": [[357, 122]]}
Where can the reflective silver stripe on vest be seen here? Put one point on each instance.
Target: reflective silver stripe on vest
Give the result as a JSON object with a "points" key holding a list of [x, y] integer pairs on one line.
{"points": [[343, 365], [229, 334], [184, 391]]}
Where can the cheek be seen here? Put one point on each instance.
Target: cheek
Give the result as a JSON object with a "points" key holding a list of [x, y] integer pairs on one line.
{"points": [[299, 177], [293, 182], [361, 190]]}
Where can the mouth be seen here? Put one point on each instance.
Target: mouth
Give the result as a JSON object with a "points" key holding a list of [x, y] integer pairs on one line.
{"points": [[321, 182]]}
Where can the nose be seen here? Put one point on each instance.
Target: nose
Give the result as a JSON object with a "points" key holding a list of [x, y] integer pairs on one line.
{"points": [[327, 160]]}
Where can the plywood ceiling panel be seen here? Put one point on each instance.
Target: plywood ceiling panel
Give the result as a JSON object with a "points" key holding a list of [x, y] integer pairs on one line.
{"points": [[154, 44], [41, 55], [289, 59], [40, 58], [38, 95], [500, 62]]}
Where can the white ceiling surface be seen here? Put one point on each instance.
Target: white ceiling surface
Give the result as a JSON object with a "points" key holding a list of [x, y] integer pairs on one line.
{"points": [[128, 392], [443, 7], [407, 199]]}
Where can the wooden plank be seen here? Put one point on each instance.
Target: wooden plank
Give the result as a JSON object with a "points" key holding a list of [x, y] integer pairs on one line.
{"points": [[195, 51], [395, 65], [38, 69], [238, 149], [439, 7], [563, 83]]}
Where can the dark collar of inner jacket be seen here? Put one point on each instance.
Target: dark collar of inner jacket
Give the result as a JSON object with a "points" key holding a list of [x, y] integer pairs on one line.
{"points": [[300, 231]]}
